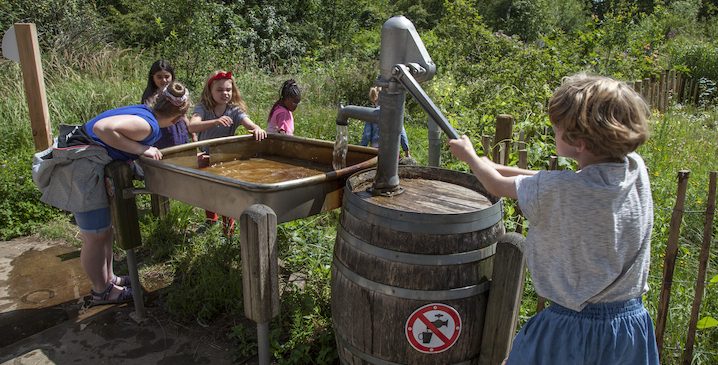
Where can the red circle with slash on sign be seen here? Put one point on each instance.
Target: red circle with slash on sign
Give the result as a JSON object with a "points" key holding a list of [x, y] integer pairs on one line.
{"points": [[433, 328]]}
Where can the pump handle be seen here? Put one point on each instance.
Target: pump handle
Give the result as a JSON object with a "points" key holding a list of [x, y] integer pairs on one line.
{"points": [[403, 75]]}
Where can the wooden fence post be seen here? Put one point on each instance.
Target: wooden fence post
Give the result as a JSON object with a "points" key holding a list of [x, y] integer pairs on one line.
{"points": [[32, 76], [260, 266], [486, 145], [647, 90], [504, 127], [504, 304], [702, 265], [260, 272], [118, 178], [669, 260]]}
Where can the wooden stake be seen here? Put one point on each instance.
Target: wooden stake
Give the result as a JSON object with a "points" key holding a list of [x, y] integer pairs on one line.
{"points": [[702, 265], [486, 145], [669, 260], [504, 126], [260, 268], [31, 65]]}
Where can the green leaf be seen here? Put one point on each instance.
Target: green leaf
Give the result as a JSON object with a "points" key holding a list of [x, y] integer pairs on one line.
{"points": [[714, 280], [707, 322]]}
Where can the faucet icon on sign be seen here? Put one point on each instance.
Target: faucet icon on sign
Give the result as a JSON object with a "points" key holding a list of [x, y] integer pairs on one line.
{"points": [[425, 337]]}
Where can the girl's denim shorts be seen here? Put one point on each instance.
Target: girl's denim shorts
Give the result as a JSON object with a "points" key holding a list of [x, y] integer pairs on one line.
{"points": [[94, 221], [602, 333]]}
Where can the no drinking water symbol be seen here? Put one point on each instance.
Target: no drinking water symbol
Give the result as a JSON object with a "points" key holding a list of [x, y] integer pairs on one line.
{"points": [[433, 328]]}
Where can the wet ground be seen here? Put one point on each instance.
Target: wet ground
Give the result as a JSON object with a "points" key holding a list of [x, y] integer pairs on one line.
{"points": [[45, 317]]}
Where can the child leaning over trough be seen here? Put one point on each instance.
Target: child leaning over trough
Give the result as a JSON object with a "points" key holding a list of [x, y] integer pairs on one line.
{"points": [[220, 112], [588, 246], [70, 176]]}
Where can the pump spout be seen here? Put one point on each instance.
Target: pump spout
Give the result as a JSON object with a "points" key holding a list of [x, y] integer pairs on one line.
{"points": [[362, 113]]}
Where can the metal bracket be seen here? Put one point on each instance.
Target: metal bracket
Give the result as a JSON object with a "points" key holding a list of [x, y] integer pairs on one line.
{"points": [[129, 193]]}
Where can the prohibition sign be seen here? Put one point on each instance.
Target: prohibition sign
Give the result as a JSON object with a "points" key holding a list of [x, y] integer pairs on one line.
{"points": [[433, 328]]}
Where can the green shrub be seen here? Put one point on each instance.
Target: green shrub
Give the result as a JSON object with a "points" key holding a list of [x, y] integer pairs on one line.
{"points": [[21, 211]]}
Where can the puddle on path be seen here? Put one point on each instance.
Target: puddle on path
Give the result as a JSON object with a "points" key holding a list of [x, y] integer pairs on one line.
{"points": [[40, 289]]}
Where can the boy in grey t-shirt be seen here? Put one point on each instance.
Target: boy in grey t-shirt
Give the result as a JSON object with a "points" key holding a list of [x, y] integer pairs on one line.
{"points": [[588, 246]]}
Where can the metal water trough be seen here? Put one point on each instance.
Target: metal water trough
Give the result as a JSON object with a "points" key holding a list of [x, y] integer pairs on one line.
{"points": [[177, 176]]}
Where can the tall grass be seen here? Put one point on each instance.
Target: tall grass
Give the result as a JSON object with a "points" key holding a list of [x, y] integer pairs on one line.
{"points": [[200, 272], [683, 139]]}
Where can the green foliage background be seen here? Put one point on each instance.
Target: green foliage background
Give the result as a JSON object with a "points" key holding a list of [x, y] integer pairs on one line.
{"points": [[493, 57]]}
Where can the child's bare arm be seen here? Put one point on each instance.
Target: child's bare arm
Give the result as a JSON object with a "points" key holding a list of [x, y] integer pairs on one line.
{"points": [[508, 171], [196, 124], [123, 133], [259, 133], [486, 171]]}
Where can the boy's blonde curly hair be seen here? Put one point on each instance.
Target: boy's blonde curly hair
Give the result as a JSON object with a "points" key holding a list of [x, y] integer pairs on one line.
{"points": [[608, 115]]}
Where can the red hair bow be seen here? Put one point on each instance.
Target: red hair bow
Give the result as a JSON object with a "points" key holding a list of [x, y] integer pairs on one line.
{"points": [[220, 76]]}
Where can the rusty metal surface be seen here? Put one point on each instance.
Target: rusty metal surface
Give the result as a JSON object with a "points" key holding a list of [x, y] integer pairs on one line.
{"points": [[176, 176]]}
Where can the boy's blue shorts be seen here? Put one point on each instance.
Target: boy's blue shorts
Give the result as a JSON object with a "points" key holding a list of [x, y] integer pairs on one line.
{"points": [[94, 221], [602, 333]]}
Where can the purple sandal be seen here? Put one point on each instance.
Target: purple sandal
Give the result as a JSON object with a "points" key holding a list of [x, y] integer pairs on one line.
{"points": [[126, 281], [125, 296]]}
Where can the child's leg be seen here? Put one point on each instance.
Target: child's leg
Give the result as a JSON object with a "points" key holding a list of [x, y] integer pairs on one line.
{"points": [[211, 217], [227, 225]]}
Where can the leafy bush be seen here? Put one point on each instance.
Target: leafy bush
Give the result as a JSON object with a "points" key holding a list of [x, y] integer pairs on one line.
{"points": [[21, 211]]}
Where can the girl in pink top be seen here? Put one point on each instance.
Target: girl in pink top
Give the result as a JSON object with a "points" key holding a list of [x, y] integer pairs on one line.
{"points": [[280, 118]]}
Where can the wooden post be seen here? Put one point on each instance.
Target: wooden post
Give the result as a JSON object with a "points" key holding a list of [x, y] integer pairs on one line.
{"points": [[486, 145], [32, 77], [118, 179], [504, 127], [679, 87], [666, 91], [638, 86], [669, 260], [260, 267], [160, 205], [673, 85], [653, 97], [647, 90], [504, 304], [702, 265], [659, 92]]}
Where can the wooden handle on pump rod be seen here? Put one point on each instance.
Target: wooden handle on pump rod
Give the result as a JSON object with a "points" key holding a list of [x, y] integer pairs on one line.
{"points": [[31, 65]]}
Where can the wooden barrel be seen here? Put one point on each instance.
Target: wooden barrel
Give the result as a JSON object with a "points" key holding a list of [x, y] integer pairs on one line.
{"points": [[410, 273]]}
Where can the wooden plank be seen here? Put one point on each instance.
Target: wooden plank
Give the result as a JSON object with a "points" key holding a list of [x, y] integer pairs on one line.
{"points": [[502, 310], [32, 76], [118, 177], [702, 266], [669, 260], [504, 127], [260, 266]]}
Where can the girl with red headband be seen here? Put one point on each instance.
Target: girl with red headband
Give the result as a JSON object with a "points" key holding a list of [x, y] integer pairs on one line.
{"points": [[219, 113]]}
